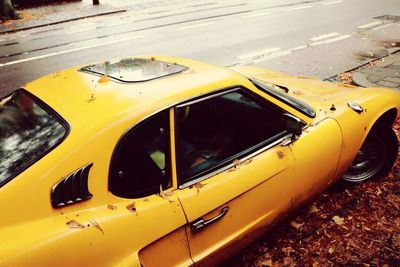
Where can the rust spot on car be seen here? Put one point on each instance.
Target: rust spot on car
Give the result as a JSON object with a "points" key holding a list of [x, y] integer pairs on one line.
{"points": [[280, 154], [74, 224], [132, 208], [96, 225], [111, 207]]}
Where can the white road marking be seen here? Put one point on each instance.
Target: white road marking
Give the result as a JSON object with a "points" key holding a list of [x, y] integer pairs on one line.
{"points": [[197, 25], [298, 8], [70, 50], [78, 30], [332, 3], [272, 56], [324, 36], [382, 26], [86, 24], [339, 38], [253, 15], [298, 48], [260, 53], [370, 25]]}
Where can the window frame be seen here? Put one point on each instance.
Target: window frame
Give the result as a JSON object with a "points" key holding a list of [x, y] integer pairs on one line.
{"points": [[243, 155], [168, 154], [49, 111]]}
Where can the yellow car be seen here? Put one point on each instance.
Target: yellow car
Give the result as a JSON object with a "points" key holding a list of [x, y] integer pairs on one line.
{"points": [[163, 161]]}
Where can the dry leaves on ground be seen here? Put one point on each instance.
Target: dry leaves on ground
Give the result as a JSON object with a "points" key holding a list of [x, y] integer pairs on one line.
{"points": [[345, 226]]}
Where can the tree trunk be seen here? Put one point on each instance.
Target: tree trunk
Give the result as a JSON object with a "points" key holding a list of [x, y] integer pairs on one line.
{"points": [[7, 10]]}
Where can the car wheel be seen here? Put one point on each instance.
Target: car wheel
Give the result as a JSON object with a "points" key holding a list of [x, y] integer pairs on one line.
{"points": [[376, 156]]}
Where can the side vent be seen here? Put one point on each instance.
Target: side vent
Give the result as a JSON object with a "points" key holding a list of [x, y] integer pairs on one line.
{"points": [[72, 189]]}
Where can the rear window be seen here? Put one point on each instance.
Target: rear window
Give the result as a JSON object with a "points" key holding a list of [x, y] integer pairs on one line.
{"points": [[28, 130]]}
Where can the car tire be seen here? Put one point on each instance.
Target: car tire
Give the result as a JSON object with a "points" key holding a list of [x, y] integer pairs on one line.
{"points": [[375, 157]]}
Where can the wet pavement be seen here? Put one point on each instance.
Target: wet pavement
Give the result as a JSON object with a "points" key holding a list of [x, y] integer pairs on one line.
{"points": [[275, 34]]}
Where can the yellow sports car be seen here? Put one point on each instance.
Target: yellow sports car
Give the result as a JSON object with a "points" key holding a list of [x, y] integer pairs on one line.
{"points": [[163, 161]]}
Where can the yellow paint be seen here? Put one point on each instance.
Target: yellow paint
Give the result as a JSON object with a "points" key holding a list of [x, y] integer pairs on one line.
{"points": [[258, 192]]}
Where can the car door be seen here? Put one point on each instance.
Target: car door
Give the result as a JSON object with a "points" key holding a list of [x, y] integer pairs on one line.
{"points": [[234, 175], [141, 174]]}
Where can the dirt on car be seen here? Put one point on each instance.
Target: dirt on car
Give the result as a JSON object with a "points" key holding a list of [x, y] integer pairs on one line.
{"points": [[355, 225]]}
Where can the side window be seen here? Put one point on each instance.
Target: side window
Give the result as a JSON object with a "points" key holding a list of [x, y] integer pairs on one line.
{"points": [[215, 131], [140, 163]]}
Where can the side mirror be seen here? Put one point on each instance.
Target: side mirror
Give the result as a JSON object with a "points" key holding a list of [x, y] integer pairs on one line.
{"points": [[294, 126]]}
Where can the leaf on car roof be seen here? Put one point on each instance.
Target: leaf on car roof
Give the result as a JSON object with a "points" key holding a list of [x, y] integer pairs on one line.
{"points": [[104, 79], [74, 224]]}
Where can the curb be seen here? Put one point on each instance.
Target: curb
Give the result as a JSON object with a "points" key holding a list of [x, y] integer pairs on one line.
{"points": [[61, 21], [360, 76]]}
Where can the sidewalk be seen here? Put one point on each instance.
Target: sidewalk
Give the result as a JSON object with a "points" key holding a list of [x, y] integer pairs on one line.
{"points": [[69, 11], [58, 13], [381, 73]]}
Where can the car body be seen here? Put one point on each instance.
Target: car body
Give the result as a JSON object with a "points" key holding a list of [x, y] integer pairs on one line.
{"points": [[165, 161]]}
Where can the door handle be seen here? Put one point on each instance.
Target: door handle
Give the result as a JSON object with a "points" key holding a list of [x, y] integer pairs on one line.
{"points": [[199, 224]]}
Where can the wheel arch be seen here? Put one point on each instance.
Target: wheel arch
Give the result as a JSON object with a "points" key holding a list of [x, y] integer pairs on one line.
{"points": [[388, 118]]}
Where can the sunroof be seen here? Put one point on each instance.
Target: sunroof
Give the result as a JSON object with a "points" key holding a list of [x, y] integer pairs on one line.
{"points": [[135, 69]]}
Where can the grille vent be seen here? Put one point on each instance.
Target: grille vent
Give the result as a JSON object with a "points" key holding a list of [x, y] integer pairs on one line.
{"points": [[72, 189]]}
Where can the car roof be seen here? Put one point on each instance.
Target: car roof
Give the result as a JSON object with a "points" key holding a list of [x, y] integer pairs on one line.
{"points": [[83, 98]]}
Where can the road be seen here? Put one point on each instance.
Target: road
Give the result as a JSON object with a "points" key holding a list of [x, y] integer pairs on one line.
{"points": [[319, 37]]}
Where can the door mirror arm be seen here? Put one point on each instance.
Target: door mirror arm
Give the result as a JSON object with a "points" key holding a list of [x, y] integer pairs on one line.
{"points": [[294, 126]]}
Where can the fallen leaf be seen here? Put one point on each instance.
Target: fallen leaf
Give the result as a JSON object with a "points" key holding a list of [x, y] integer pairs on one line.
{"points": [[165, 194], [132, 208], [331, 250], [111, 207], [74, 224], [312, 208], [296, 224], [280, 154], [338, 220], [96, 225], [104, 79]]}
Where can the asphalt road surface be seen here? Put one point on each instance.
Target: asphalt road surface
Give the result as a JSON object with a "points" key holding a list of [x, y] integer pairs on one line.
{"points": [[318, 38]]}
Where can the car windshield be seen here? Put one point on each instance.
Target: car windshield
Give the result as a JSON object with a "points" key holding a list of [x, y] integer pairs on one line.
{"points": [[282, 95], [28, 130]]}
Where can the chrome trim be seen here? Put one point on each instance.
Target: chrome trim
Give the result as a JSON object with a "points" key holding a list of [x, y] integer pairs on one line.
{"points": [[231, 165], [355, 106], [201, 99]]}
